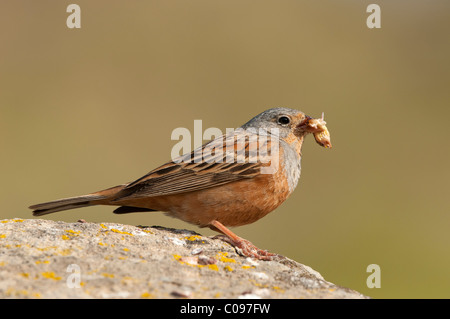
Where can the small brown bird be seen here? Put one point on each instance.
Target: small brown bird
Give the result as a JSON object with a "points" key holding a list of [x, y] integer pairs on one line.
{"points": [[233, 180]]}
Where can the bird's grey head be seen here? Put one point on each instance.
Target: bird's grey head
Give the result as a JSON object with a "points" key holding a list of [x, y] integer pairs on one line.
{"points": [[281, 118]]}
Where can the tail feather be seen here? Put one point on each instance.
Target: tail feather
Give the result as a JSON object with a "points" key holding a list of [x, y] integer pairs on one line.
{"points": [[64, 204], [74, 202]]}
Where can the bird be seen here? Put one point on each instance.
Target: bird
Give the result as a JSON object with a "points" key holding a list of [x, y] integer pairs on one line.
{"points": [[232, 180]]}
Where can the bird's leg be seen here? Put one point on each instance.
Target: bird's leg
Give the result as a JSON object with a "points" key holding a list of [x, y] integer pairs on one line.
{"points": [[244, 246]]}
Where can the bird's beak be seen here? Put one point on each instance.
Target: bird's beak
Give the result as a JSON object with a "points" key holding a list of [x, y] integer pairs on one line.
{"points": [[306, 125]]}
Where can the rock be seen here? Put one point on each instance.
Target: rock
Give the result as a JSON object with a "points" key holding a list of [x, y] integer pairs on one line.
{"points": [[49, 259]]}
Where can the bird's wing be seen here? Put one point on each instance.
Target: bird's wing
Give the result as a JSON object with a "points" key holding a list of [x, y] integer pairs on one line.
{"points": [[226, 159]]}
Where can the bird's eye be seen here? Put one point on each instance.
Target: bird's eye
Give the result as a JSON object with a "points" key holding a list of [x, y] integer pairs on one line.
{"points": [[284, 120]]}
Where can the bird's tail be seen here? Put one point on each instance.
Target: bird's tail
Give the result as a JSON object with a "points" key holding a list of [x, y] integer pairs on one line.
{"points": [[96, 198]]}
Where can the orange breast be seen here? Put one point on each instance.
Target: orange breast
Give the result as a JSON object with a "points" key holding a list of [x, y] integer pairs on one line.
{"points": [[237, 203]]}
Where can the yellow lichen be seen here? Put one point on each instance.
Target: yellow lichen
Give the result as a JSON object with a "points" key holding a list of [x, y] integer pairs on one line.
{"points": [[73, 232], [126, 279], [121, 232], [64, 252], [70, 233], [177, 257], [278, 289], [257, 284], [248, 267], [228, 268], [222, 256], [212, 267], [50, 275], [193, 238], [17, 220]]}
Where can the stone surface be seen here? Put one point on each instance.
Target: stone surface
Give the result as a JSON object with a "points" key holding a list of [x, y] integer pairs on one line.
{"points": [[48, 259]]}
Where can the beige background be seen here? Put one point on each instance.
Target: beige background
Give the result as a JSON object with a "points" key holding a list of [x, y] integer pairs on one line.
{"points": [[82, 110]]}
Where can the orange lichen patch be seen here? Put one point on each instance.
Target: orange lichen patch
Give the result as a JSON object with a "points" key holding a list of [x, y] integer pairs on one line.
{"points": [[20, 293], [194, 238], [45, 248], [70, 234], [193, 261], [73, 232], [212, 267], [257, 284], [222, 256], [147, 295], [50, 275], [64, 252], [16, 220], [228, 268], [121, 232], [248, 267], [128, 279], [278, 289]]}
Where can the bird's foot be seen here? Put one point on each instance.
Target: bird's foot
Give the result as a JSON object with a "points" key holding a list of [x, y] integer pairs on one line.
{"points": [[247, 249]]}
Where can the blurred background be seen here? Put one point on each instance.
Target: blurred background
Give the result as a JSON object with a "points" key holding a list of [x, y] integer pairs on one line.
{"points": [[86, 109]]}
